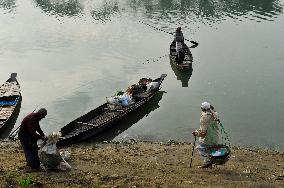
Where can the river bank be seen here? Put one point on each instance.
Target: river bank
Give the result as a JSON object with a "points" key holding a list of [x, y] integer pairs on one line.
{"points": [[144, 164]]}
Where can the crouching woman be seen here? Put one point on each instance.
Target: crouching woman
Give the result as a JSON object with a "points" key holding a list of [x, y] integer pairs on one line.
{"points": [[208, 133]]}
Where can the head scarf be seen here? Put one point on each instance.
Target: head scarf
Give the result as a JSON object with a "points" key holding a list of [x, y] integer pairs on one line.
{"points": [[205, 105]]}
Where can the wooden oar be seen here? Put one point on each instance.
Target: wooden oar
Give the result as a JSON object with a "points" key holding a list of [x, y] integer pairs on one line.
{"points": [[155, 28]]}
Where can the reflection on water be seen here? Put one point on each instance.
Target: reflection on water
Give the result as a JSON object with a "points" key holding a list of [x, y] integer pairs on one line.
{"points": [[179, 12], [60, 7], [130, 119], [105, 11], [182, 74], [8, 5], [182, 9], [173, 11]]}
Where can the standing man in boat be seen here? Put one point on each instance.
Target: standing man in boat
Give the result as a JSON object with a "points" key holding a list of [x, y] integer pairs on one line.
{"points": [[179, 39], [29, 133], [208, 133]]}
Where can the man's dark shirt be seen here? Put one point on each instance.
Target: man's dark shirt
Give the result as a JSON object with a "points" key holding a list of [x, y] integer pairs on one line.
{"points": [[30, 128]]}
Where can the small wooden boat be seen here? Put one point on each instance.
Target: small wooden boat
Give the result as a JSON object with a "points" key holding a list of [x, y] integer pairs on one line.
{"points": [[186, 62], [10, 102], [103, 117], [132, 118]]}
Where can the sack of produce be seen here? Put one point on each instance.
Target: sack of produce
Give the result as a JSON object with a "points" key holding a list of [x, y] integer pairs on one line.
{"points": [[119, 93], [50, 156], [152, 86], [124, 101], [135, 89], [112, 100]]}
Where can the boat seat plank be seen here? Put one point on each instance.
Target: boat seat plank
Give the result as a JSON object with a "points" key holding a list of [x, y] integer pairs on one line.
{"points": [[89, 124]]}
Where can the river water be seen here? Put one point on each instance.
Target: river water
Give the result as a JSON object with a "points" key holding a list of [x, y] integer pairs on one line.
{"points": [[71, 54]]}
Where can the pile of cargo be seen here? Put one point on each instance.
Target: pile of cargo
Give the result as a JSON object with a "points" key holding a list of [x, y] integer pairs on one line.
{"points": [[6, 112], [9, 89]]}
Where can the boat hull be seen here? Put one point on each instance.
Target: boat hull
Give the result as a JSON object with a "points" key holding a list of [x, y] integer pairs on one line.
{"points": [[10, 104], [186, 63], [100, 119]]}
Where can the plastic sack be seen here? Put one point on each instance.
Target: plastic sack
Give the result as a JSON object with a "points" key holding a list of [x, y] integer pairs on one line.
{"points": [[112, 100], [63, 166], [124, 101], [218, 152], [152, 86], [49, 147], [50, 156], [65, 155]]}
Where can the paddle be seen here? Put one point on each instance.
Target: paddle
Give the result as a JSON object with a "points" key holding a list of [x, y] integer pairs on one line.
{"points": [[195, 44], [192, 151]]}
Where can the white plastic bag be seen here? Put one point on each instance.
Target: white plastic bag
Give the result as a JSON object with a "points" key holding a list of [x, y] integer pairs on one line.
{"points": [[50, 156], [65, 155], [152, 86], [112, 100], [49, 148]]}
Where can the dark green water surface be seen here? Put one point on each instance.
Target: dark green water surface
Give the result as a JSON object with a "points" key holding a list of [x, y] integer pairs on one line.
{"points": [[71, 54]]}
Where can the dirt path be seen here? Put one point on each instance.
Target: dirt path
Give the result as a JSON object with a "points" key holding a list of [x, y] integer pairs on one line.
{"points": [[147, 165]]}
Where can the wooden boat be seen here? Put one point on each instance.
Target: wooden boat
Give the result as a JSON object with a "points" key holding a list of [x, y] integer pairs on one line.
{"points": [[10, 102], [186, 63], [103, 117], [132, 118]]}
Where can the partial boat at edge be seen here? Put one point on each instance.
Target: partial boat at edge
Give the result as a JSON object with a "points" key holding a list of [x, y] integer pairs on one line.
{"points": [[10, 103]]}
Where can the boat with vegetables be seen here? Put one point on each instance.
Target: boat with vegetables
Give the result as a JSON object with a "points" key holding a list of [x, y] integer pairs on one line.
{"points": [[106, 115], [10, 102]]}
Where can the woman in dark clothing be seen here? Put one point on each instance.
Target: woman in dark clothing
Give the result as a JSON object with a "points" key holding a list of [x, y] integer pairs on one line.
{"points": [[29, 133]]}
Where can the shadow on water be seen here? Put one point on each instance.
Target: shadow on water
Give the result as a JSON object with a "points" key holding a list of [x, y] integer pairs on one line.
{"points": [[182, 74], [5, 131], [129, 120], [60, 7]]}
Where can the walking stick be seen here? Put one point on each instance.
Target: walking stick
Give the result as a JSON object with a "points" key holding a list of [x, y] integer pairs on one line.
{"points": [[192, 151]]}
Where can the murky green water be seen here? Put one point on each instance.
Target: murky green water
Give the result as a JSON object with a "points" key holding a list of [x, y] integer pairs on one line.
{"points": [[70, 55]]}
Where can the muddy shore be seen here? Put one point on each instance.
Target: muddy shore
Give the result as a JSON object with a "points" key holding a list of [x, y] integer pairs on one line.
{"points": [[144, 164]]}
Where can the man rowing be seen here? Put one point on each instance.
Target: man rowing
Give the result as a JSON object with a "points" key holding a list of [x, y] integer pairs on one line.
{"points": [[179, 39]]}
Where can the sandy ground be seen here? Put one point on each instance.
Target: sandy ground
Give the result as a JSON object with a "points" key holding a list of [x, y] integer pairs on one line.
{"points": [[147, 165]]}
